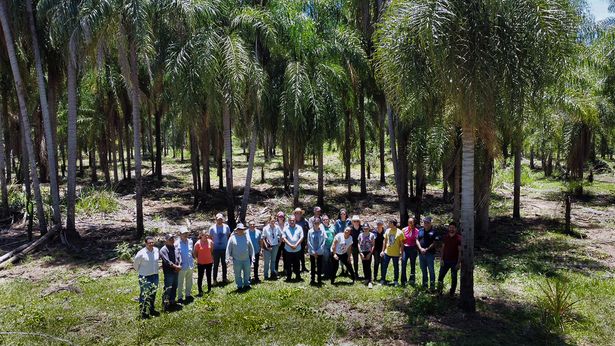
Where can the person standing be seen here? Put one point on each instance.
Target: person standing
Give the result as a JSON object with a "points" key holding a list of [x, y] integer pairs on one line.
{"points": [[185, 246], [302, 222], [270, 241], [145, 263], [241, 252], [316, 247], [317, 215], [281, 222], [171, 266], [220, 232], [293, 237], [203, 253], [378, 244], [340, 225], [410, 253], [255, 237], [367, 241], [341, 249], [393, 246], [355, 230], [426, 244], [451, 258], [329, 230]]}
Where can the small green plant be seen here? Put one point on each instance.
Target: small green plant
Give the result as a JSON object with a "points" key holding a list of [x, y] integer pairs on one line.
{"points": [[126, 251], [557, 304], [92, 200]]}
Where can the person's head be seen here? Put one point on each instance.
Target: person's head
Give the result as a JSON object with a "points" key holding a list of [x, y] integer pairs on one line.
{"points": [[272, 221], [183, 232], [427, 222], [240, 229], [149, 243], [298, 213], [411, 223], [292, 220], [252, 225], [317, 211], [204, 235], [219, 219], [366, 227], [356, 221], [393, 223], [169, 239], [325, 220], [347, 231], [316, 223], [452, 228], [380, 225], [343, 214], [281, 217]]}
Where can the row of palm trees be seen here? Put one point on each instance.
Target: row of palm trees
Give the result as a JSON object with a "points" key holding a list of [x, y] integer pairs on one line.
{"points": [[452, 82]]}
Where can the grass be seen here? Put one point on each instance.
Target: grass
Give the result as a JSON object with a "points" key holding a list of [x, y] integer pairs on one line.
{"points": [[93, 200]]}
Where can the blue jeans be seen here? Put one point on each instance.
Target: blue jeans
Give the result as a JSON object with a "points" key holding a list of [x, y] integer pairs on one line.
{"points": [[385, 266], [242, 273], [269, 259], [147, 292], [410, 252], [427, 262], [326, 262], [444, 268], [171, 280]]}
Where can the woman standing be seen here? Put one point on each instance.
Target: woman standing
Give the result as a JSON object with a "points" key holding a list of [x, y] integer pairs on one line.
{"points": [[330, 234], [340, 225], [281, 223], [203, 254], [271, 244], [341, 248], [366, 249], [410, 252], [378, 243]]}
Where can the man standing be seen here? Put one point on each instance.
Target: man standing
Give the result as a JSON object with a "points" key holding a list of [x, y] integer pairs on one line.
{"points": [[146, 264], [255, 237], [451, 258], [427, 252], [293, 237], [241, 252], [355, 230], [316, 247], [317, 215], [185, 246], [220, 232], [171, 265], [270, 242], [301, 222], [393, 245]]}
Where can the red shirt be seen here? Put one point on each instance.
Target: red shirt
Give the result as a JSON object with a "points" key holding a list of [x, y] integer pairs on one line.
{"points": [[410, 237], [203, 251], [450, 253]]}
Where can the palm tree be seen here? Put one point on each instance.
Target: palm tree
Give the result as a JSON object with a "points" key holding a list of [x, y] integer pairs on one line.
{"points": [[24, 117]]}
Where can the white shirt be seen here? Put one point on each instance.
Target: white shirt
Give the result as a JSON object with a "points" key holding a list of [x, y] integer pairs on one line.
{"points": [[146, 262], [343, 244], [272, 234]]}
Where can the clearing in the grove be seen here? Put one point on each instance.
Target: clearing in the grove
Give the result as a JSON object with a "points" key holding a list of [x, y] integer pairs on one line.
{"points": [[89, 297]]}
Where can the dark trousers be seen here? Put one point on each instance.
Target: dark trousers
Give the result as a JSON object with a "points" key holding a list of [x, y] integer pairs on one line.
{"points": [[281, 252], [220, 258], [316, 263], [291, 263], [367, 266], [202, 269], [410, 253], [444, 268], [171, 280], [257, 256], [148, 285], [355, 258], [344, 259], [303, 252], [377, 263]]}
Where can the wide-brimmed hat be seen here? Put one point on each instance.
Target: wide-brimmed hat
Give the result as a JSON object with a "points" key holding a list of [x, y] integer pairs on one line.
{"points": [[219, 216], [355, 218], [298, 210], [240, 226], [169, 236], [183, 229]]}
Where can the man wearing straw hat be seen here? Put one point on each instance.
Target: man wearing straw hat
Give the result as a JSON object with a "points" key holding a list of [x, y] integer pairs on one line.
{"points": [[241, 252]]}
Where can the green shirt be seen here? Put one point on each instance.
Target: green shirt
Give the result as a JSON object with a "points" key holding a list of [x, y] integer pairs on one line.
{"points": [[330, 233], [395, 242]]}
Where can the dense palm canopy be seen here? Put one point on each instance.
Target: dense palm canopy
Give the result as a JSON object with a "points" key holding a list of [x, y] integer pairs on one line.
{"points": [[459, 82]]}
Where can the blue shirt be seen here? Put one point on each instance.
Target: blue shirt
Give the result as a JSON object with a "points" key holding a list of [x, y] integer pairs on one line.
{"points": [[220, 236], [185, 251], [316, 241], [293, 235], [340, 225], [240, 248], [255, 236]]}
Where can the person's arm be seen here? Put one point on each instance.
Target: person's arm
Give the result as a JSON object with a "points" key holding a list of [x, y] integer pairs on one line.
{"points": [[459, 254], [418, 244], [229, 250], [251, 251], [195, 251], [164, 256], [310, 242], [333, 246], [137, 261], [442, 256], [323, 242], [384, 245], [300, 240]]}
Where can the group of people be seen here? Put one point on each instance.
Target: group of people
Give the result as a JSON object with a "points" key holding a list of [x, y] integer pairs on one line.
{"points": [[329, 245]]}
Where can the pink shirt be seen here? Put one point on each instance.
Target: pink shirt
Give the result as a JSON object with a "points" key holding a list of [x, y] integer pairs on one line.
{"points": [[410, 237]]}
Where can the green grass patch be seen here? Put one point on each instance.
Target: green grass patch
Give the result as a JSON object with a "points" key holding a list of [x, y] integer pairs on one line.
{"points": [[93, 200]]}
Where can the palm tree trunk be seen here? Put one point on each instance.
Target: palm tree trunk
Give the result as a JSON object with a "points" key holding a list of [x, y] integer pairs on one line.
{"points": [[347, 152], [466, 298], [296, 176], [205, 145], [285, 163], [402, 143], [457, 189], [228, 160], [25, 121], [49, 139], [248, 185], [517, 181], [321, 177], [362, 141], [381, 145], [393, 150], [4, 205], [193, 166], [158, 117]]}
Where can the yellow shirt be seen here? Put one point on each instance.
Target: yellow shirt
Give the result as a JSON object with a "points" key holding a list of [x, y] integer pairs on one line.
{"points": [[395, 242]]}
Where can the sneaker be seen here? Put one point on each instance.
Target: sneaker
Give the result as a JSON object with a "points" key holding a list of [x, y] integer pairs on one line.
{"points": [[369, 285]]}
